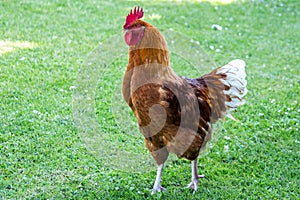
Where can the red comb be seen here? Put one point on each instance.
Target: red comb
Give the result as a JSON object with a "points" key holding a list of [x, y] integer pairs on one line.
{"points": [[133, 16]]}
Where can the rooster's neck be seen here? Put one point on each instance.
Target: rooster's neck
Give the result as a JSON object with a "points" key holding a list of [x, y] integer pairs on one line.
{"points": [[148, 56], [152, 49], [150, 64]]}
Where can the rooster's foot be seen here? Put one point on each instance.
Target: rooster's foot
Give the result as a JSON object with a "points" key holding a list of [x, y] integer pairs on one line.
{"points": [[158, 189], [194, 183]]}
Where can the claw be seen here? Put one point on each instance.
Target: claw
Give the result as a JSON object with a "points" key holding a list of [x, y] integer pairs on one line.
{"points": [[195, 176], [194, 183], [158, 189]]}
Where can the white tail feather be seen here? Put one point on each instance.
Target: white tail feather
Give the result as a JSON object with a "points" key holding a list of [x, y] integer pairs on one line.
{"points": [[235, 79]]}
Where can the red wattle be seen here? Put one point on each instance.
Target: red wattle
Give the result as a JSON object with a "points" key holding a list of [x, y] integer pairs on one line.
{"points": [[133, 36], [127, 37]]}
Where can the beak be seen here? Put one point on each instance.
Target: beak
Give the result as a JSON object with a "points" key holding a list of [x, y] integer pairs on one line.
{"points": [[124, 31]]}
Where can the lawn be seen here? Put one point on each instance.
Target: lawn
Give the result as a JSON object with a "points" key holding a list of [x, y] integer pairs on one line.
{"points": [[65, 133]]}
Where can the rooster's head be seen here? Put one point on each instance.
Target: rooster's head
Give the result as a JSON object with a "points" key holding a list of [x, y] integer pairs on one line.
{"points": [[134, 28]]}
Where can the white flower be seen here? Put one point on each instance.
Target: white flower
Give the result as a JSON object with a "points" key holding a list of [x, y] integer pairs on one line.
{"points": [[72, 87], [226, 147], [216, 27], [227, 138], [36, 112]]}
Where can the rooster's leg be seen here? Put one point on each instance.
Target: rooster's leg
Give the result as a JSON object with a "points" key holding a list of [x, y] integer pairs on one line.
{"points": [[195, 176], [157, 187]]}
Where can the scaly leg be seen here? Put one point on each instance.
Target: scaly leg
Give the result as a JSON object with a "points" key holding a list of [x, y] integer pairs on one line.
{"points": [[157, 187], [195, 176]]}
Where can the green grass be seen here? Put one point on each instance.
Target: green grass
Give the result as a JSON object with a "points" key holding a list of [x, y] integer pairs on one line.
{"points": [[42, 155]]}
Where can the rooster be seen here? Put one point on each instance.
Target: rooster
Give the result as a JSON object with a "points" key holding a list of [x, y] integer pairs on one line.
{"points": [[175, 114]]}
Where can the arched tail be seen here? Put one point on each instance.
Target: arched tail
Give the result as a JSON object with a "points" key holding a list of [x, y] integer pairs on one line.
{"points": [[236, 84]]}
